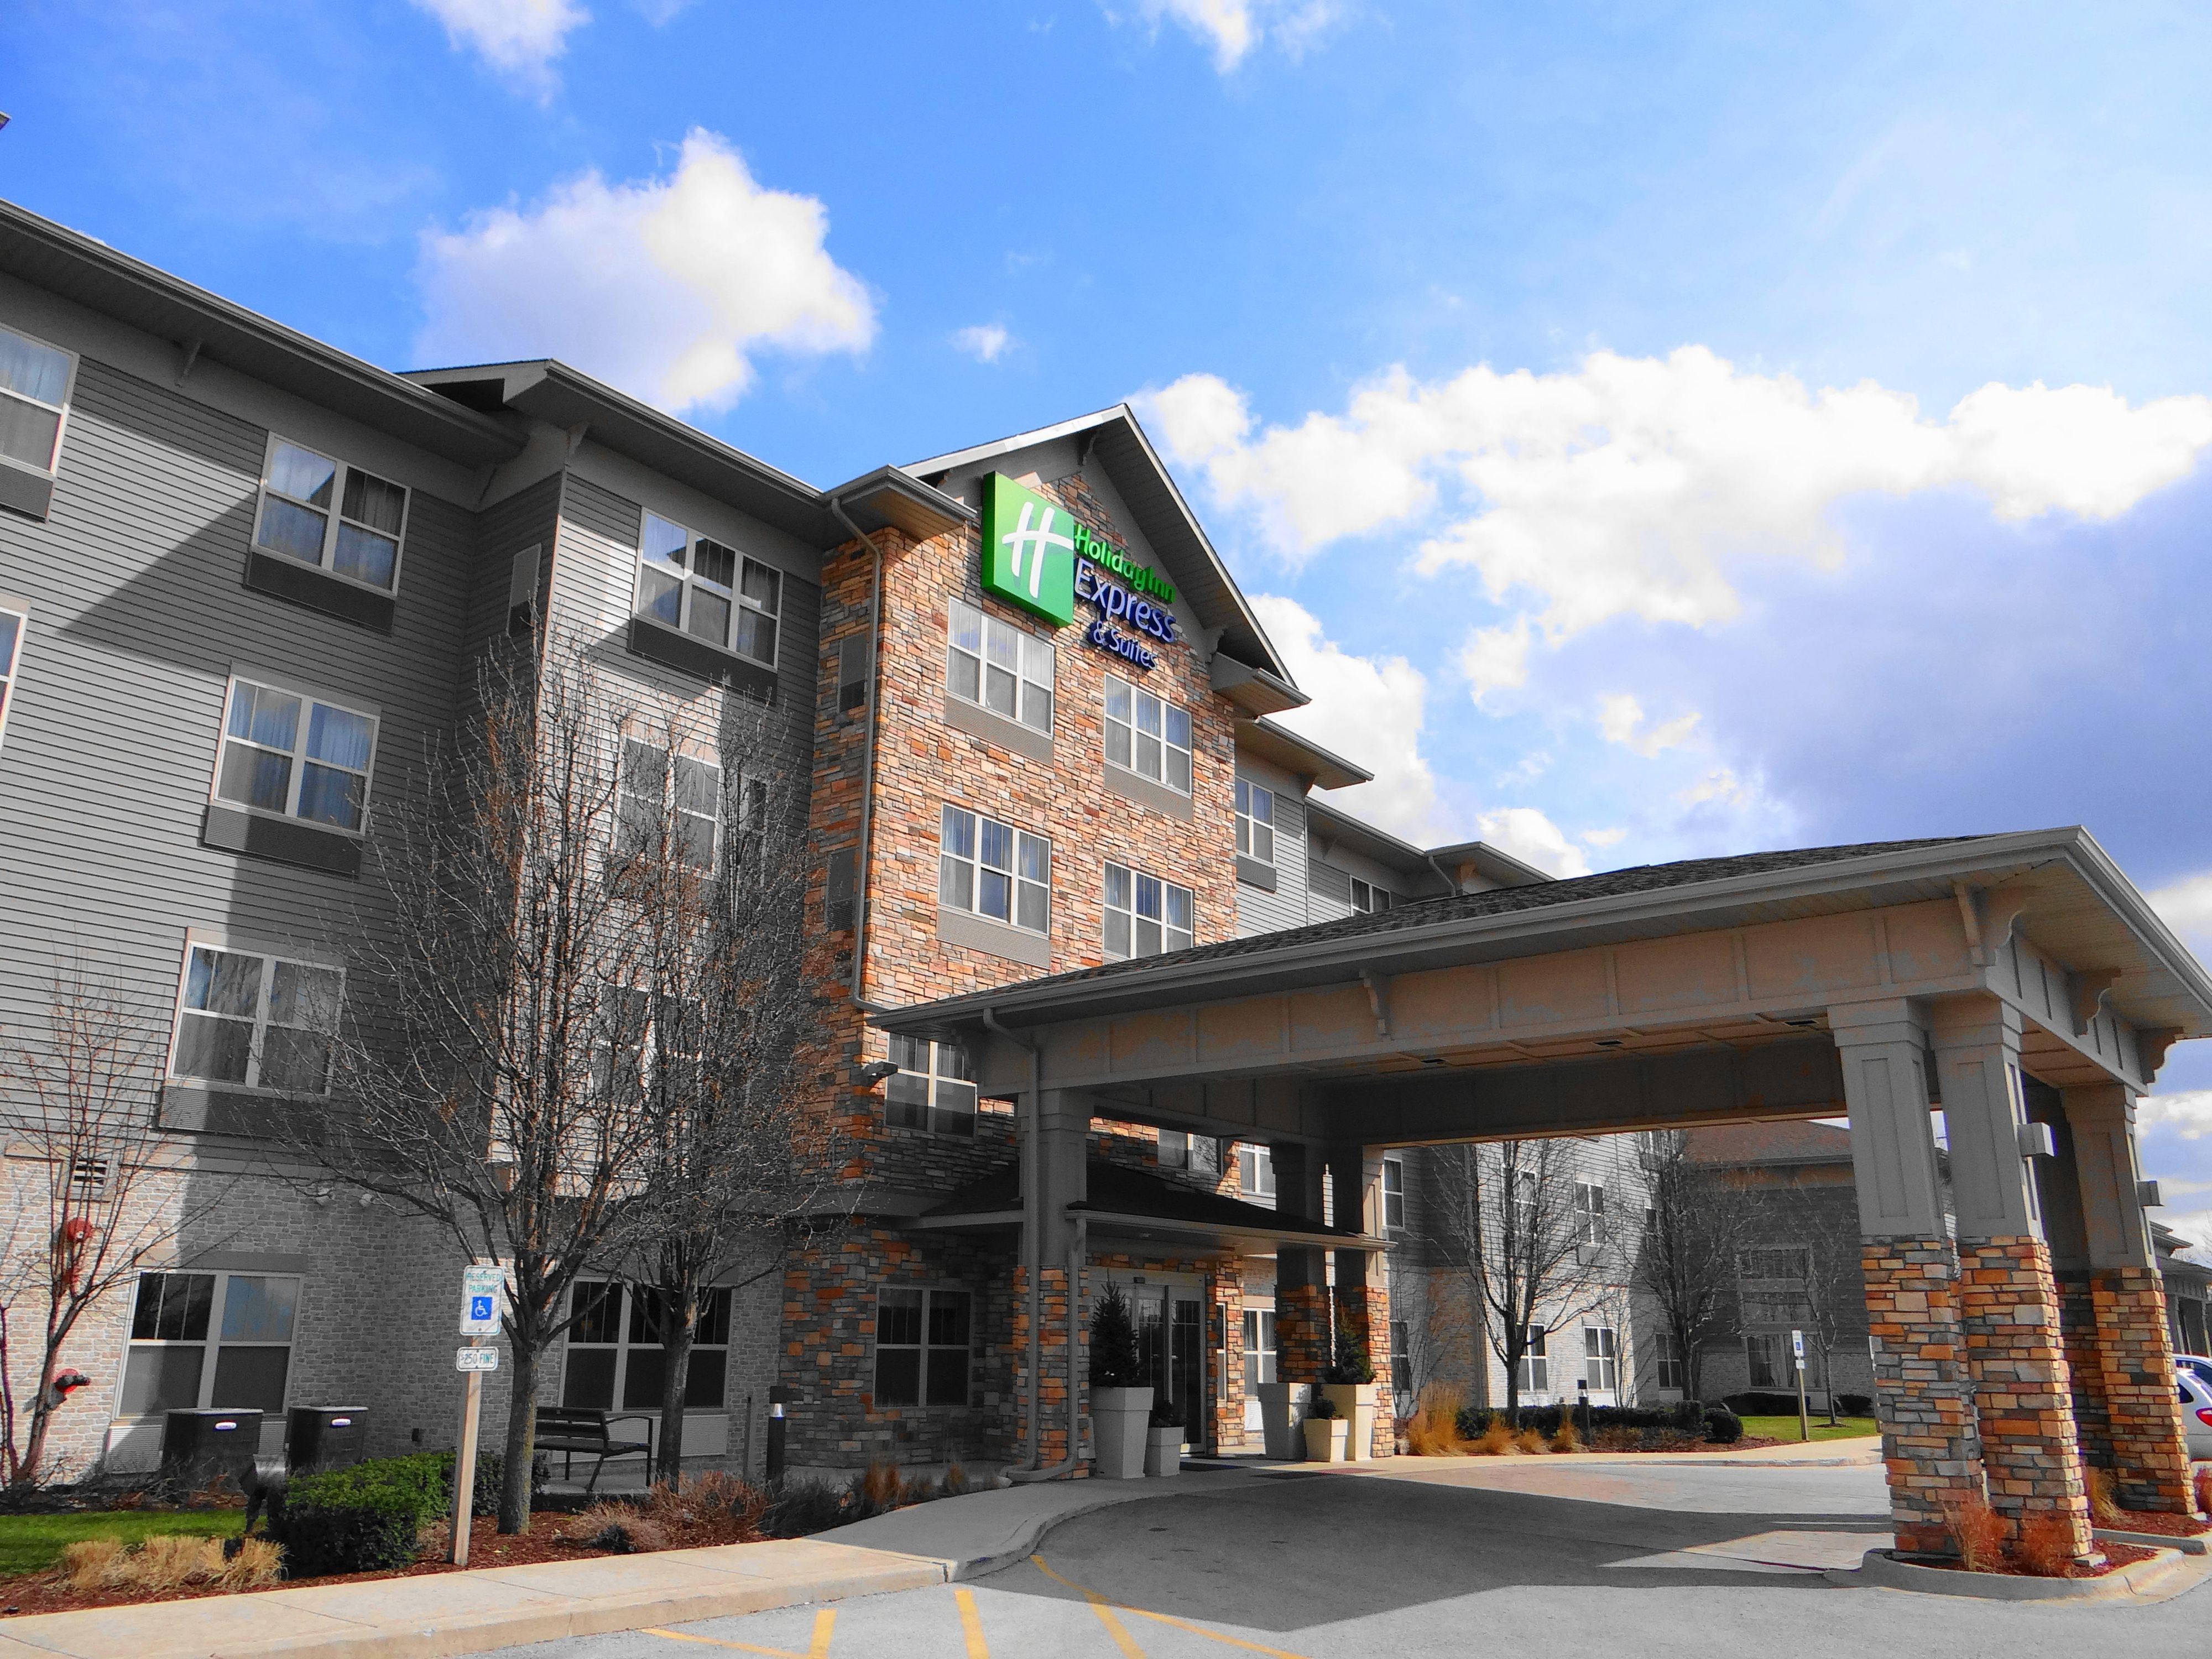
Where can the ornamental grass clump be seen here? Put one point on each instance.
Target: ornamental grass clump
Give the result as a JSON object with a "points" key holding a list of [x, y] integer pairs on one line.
{"points": [[1565, 1439], [2205, 1491], [2045, 1546], [1433, 1429], [1531, 1441], [1979, 1531], [168, 1563], [2103, 1507], [1496, 1438]]}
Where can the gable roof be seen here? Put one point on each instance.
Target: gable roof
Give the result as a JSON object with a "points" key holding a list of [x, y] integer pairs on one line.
{"points": [[1142, 479]]}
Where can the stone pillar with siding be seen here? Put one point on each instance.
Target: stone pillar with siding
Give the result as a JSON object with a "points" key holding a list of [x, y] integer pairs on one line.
{"points": [[2007, 1301], [1929, 1445], [1301, 1271], [2127, 1339], [1363, 1294]]}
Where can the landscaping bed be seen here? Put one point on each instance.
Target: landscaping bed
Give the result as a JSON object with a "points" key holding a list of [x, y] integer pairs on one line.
{"points": [[2162, 1521], [2006, 1566], [1442, 1427]]}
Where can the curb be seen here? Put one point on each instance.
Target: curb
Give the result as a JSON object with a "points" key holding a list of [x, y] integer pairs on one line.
{"points": [[2147, 1580], [2192, 1545]]}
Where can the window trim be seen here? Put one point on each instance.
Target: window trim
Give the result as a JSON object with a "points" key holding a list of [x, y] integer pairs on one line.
{"points": [[1393, 1165], [932, 1078], [214, 939], [1247, 824], [212, 1345], [52, 472], [670, 800], [922, 1350], [369, 712], [1024, 637], [1375, 891], [622, 1348], [1663, 1359], [1263, 1159], [1535, 1351], [11, 672], [688, 576], [1106, 909], [1591, 1226], [1107, 723], [976, 867], [334, 515], [1606, 1338]]}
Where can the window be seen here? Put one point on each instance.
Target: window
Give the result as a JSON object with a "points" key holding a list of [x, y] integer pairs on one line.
{"points": [[1200, 1154], [1256, 822], [1672, 1372], [34, 386], [14, 624], [1006, 669], [995, 870], [1146, 736], [934, 1087], [1601, 1357], [1768, 1354], [922, 1348], [260, 1021], [1536, 1367], [710, 591], [679, 796], [1522, 1216], [334, 517], [1255, 1171], [295, 755], [1259, 1349], [637, 1033], [209, 1339], [1785, 1263], [617, 1356], [1366, 897], [1401, 1368], [853, 673], [1589, 1213], [1146, 915], [1393, 1193]]}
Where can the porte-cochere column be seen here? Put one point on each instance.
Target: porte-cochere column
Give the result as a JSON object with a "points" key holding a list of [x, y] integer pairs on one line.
{"points": [[1921, 1394], [1301, 1271]]}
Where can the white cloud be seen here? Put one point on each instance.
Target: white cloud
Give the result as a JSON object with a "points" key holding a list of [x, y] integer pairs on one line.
{"points": [[984, 342], [1530, 837], [1718, 785], [666, 287], [1604, 837], [2187, 1113], [1368, 709], [1630, 486], [1233, 28], [519, 38], [1620, 719], [2186, 905], [1496, 659]]}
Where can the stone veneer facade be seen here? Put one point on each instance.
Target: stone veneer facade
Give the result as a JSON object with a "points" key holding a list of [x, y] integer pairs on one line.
{"points": [[1930, 1441], [2023, 1396]]}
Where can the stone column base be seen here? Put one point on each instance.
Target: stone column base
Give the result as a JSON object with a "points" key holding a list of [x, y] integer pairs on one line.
{"points": [[2023, 1398], [1364, 1309], [1052, 1374], [1929, 1441], [1301, 1331], [2135, 1356]]}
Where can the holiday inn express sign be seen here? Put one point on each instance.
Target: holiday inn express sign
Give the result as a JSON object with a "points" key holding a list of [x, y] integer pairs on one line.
{"points": [[1037, 556]]}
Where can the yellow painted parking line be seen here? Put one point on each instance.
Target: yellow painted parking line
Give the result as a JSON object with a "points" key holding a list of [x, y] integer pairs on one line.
{"points": [[1101, 1603], [971, 1625], [818, 1648], [1114, 1628]]}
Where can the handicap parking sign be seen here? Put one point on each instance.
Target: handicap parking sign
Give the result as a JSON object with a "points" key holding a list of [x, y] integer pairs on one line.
{"points": [[480, 1293]]}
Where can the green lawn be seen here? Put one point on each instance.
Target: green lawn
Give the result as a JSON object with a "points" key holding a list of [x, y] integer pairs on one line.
{"points": [[1785, 1428], [31, 1543]]}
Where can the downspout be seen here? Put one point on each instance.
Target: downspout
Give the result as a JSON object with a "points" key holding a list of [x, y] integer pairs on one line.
{"points": [[867, 758], [1450, 886], [1033, 1260]]}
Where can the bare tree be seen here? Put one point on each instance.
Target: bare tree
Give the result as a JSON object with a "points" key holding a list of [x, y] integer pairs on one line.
{"points": [[1695, 1221], [1831, 1298], [100, 1202], [1504, 1217], [506, 1017]]}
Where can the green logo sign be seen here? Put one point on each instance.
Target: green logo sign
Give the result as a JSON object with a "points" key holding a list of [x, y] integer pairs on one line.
{"points": [[1029, 551]]}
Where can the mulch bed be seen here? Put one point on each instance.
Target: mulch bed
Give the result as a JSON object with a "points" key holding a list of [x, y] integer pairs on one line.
{"points": [[2158, 1520], [2115, 1557]]}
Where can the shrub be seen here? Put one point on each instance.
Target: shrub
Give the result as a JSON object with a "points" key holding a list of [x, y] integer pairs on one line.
{"points": [[715, 1508], [800, 1507], [1114, 1359], [1350, 1363], [622, 1528], [1762, 1402], [365, 1518], [1433, 1429], [1167, 1414], [168, 1562], [1978, 1530], [1496, 1439], [2045, 1546], [1854, 1404], [1723, 1426], [1563, 1438], [1323, 1409]]}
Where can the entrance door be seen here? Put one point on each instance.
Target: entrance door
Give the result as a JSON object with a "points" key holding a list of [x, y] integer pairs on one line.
{"points": [[1170, 1318]]}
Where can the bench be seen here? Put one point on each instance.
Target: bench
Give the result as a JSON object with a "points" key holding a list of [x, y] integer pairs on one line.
{"points": [[570, 1429]]}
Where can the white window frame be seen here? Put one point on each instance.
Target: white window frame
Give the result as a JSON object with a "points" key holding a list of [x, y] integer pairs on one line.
{"points": [[1252, 825], [1536, 1363], [333, 516], [1589, 1213], [53, 469], [1524, 1201], [212, 1343], [1393, 1193], [1602, 1359], [1033, 670], [974, 864], [299, 757], [1370, 898], [11, 667], [1262, 1354], [690, 584], [653, 789], [630, 1314], [947, 1080], [923, 1350], [1666, 1361], [270, 955], [1255, 1169], [1161, 889], [1166, 715]]}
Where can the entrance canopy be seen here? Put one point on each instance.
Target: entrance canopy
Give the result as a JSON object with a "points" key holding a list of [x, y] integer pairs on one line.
{"points": [[1701, 991]]}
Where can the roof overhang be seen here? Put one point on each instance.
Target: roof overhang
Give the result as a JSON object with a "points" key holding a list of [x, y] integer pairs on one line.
{"points": [[1302, 757]]}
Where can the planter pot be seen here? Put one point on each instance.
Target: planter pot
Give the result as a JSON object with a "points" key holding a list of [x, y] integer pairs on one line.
{"points": [[1325, 1438], [1282, 1408], [1119, 1417], [1355, 1403], [1163, 1452]]}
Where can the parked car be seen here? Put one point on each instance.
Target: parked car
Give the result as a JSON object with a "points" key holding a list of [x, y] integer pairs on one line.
{"points": [[2196, 1412], [2197, 1363]]}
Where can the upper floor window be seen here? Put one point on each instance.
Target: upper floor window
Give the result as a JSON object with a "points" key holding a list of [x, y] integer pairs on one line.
{"points": [[331, 515], [1200, 1154], [34, 386], [675, 795], [1146, 915], [1256, 822], [713, 593], [296, 755], [14, 624], [1365, 895], [1256, 1170], [1006, 669], [1394, 1193], [1589, 1213], [934, 1087], [992, 869], [256, 1020], [1150, 738]]}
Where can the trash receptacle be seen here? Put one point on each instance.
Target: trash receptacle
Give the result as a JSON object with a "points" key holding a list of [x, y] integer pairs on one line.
{"points": [[201, 1447], [325, 1437]]}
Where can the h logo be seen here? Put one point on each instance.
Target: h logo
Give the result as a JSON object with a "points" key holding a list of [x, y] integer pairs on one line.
{"points": [[1028, 549]]}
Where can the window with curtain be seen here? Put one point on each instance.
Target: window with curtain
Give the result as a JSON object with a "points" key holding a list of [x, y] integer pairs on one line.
{"points": [[295, 755], [334, 516], [256, 1020], [998, 666], [34, 390], [209, 1339]]}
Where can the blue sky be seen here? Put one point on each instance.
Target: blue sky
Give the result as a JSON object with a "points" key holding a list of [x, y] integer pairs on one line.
{"points": [[1653, 430]]}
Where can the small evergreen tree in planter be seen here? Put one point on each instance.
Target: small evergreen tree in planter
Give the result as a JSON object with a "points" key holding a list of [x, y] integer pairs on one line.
{"points": [[1120, 1403], [1163, 1439], [1348, 1383]]}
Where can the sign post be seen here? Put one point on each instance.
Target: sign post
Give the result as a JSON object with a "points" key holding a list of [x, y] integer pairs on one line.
{"points": [[480, 1289], [1797, 1349]]}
